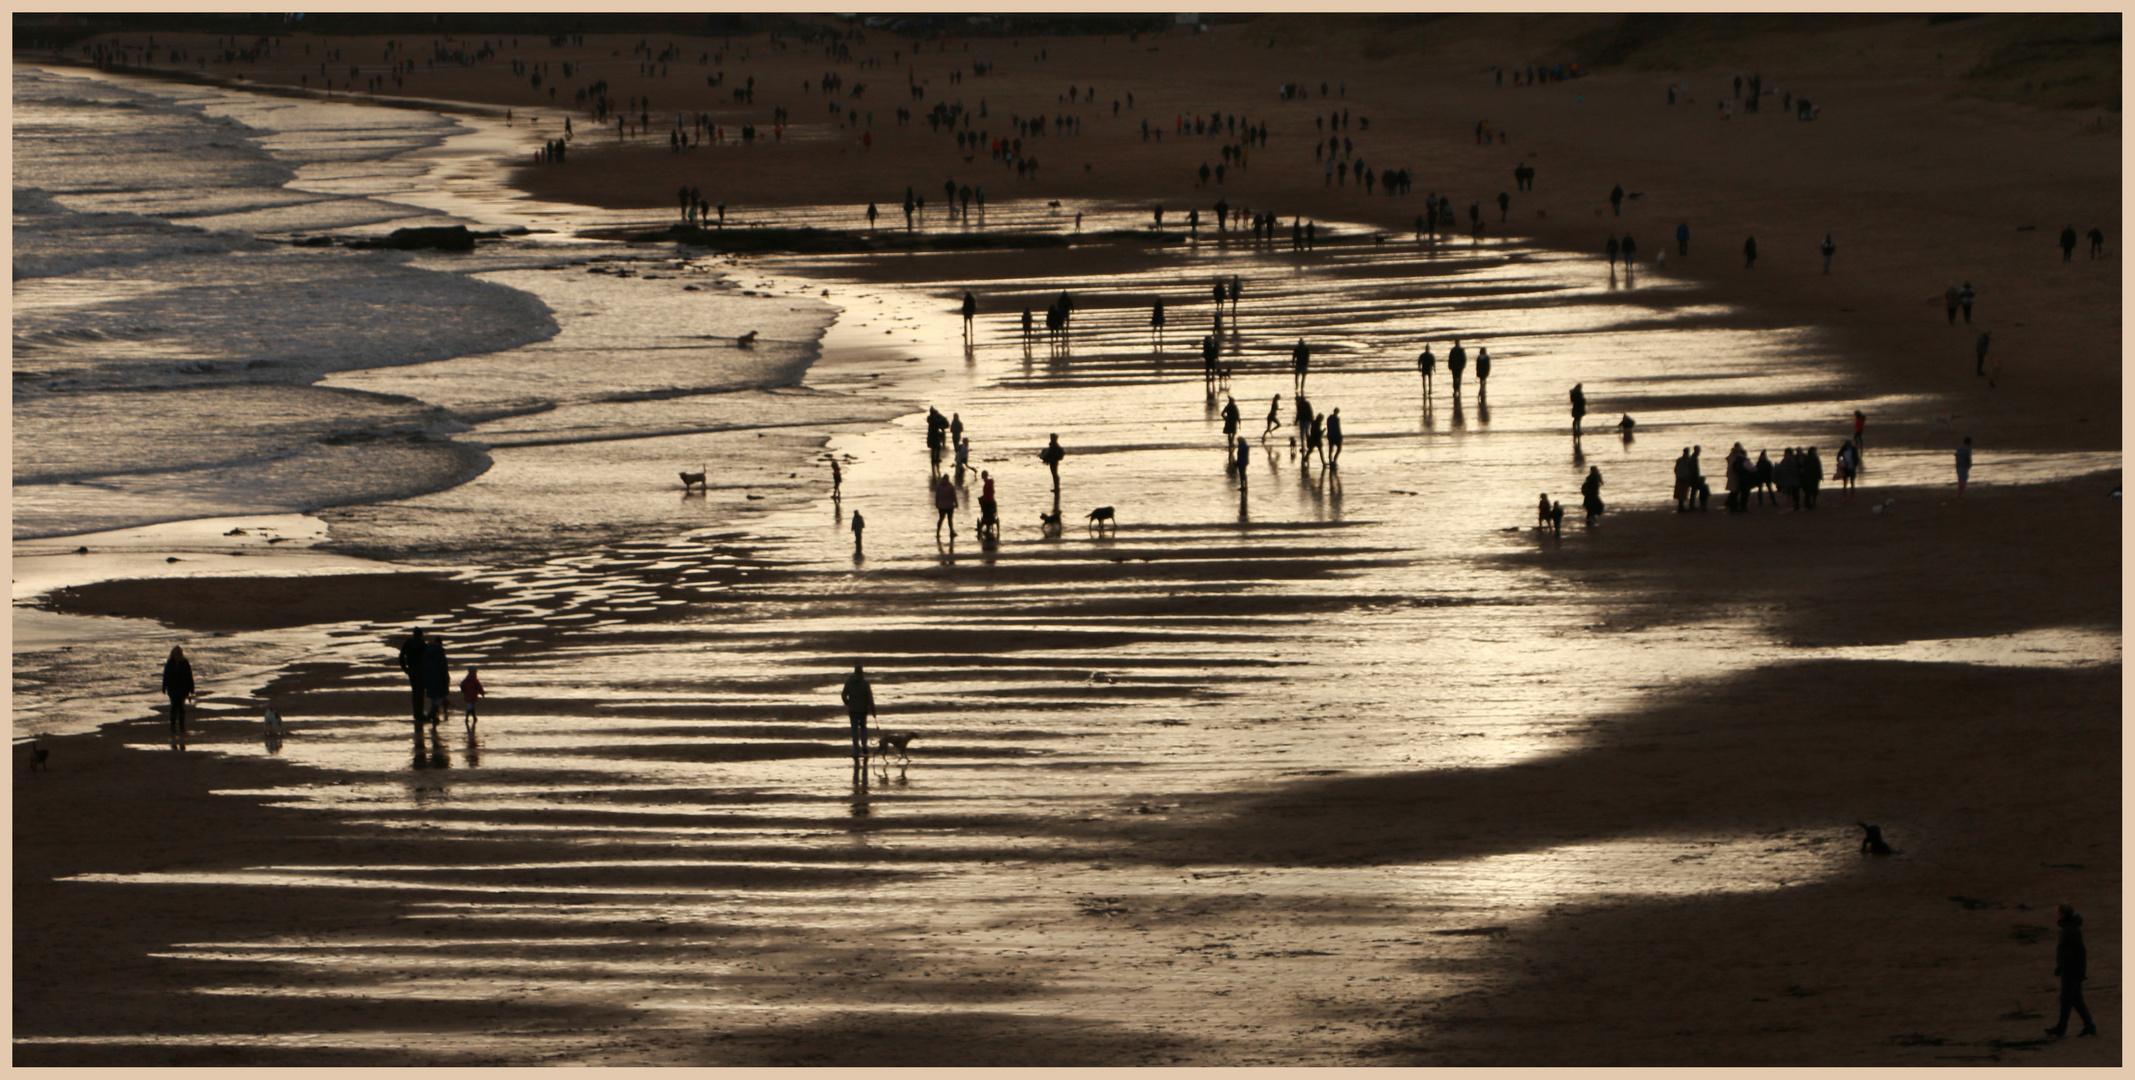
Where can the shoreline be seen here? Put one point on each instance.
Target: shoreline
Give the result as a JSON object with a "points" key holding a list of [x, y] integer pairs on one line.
{"points": [[1157, 813]]}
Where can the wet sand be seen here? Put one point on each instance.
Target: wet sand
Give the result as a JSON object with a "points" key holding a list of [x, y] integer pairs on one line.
{"points": [[1335, 772]]}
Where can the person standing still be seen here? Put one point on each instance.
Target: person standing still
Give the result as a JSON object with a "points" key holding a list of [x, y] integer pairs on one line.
{"points": [[1616, 200], [859, 698], [1578, 408], [1051, 455], [1964, 465], [2071, 964], [1828, 248]]}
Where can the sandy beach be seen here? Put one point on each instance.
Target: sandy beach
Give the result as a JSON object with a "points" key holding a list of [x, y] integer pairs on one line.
{"points": [[1300, 766]]}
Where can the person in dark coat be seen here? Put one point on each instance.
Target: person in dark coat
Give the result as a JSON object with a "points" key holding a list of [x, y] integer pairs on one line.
{"points": [[1749, 253], [1051, 455], [1578, 408], [1482, 370], [859, 698], [2068, 243], [2071, 964], [437, 679], [411, 665], [1457, 362], [971, 309], [178, 685], [1590, 491], [1334, 437]]}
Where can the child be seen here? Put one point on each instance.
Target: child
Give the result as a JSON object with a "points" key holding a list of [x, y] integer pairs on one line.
{"points": [[470, 693]]}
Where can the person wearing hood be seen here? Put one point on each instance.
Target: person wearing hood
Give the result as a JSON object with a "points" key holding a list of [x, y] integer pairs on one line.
{"points": [[2071, 964]]}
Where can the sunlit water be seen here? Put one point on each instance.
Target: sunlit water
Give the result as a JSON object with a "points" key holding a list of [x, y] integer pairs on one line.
{"points": [[677, 750]]}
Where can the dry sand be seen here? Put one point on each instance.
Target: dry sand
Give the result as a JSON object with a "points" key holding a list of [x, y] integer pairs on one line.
{"points": [[2007, 775]]}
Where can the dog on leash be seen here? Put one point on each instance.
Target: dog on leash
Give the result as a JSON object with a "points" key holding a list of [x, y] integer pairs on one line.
{"points": [[696, 478], [886, 742], [1050, 523], [1101, 517]]}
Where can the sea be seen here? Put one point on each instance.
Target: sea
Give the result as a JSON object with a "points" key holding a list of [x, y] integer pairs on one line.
{"points": [[197, 376]]}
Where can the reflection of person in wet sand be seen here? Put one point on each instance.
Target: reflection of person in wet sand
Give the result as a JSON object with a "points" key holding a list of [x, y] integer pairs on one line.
{"points": [[859, 700]]}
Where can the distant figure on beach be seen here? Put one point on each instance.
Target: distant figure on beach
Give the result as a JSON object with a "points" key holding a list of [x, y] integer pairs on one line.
{"points": [[1590, 492], [1612, 248], [859, 526], [177, 686], [956, 428], [1949, 303], [2068, 243], [1630, 252], [1616, 200], [1245, 457], [971, 308], [837, 478], [1026, 324], [1860, 433], [1829, 249], [411, 665], [1482, 370], [944, 507], [963, 458], [1578, 409], [1230, 421], [1965, 296], [1504, 206], [1315, 439], [2071, 964], [471, 694], [1334, 437], [871, 215], [859, 699], [1786, 476], [1542, 512], [1208, 357], [437, 681], [1238, 289], [1300, 363], [1964, 465], [1849, 464], [1457, 362], [1749, 253], [1156, 322], [1682, 239], [1626, 427], [1979, 354], [1682, 479], [1274, 415], [987, 506], [2097, 239], [1051, 455], [1427, 365], [1811, 470]]}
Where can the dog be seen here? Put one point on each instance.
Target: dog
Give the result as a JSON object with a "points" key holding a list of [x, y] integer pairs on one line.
{"points": [[1872, 844], [696, 478], [886, 742], [1050, 523], [38, 756], [1099, 517], [746, 340]]}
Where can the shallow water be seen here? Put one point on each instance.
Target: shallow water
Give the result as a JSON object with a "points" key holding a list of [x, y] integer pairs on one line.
{"points": [[656, 813]]}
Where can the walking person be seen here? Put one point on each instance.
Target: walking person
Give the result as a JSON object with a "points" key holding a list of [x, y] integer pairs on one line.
{"points": [[859, 526], [2097, 239], [1274, 415], [1812, 477], [944, 507], [177, 686], [1682, 239], [437, 681], [1860, 435], [1630, 252], [1828, 248], [1964, 468], [1612, 248], [1457, 362], [1578, 409], [1482, 371], [1051, 455], [1156, 322], [1427, 365], [1334, 437], [1300, 363], [2068, 243], [471, 694], [971, 309], [1950, 299], [859, 699], [1849, 464], [2071, 964], [411, 665], [1230, 422], [1616, 200], [1749, 253], [1979, 354], [1965, 296]]}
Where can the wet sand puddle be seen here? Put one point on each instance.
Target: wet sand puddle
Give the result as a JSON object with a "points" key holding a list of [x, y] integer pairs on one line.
{"points": [[652, 849]]}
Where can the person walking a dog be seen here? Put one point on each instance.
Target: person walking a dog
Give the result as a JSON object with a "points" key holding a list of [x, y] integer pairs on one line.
{"points": [[859, 700], [178, 686], [2072, 964]]}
